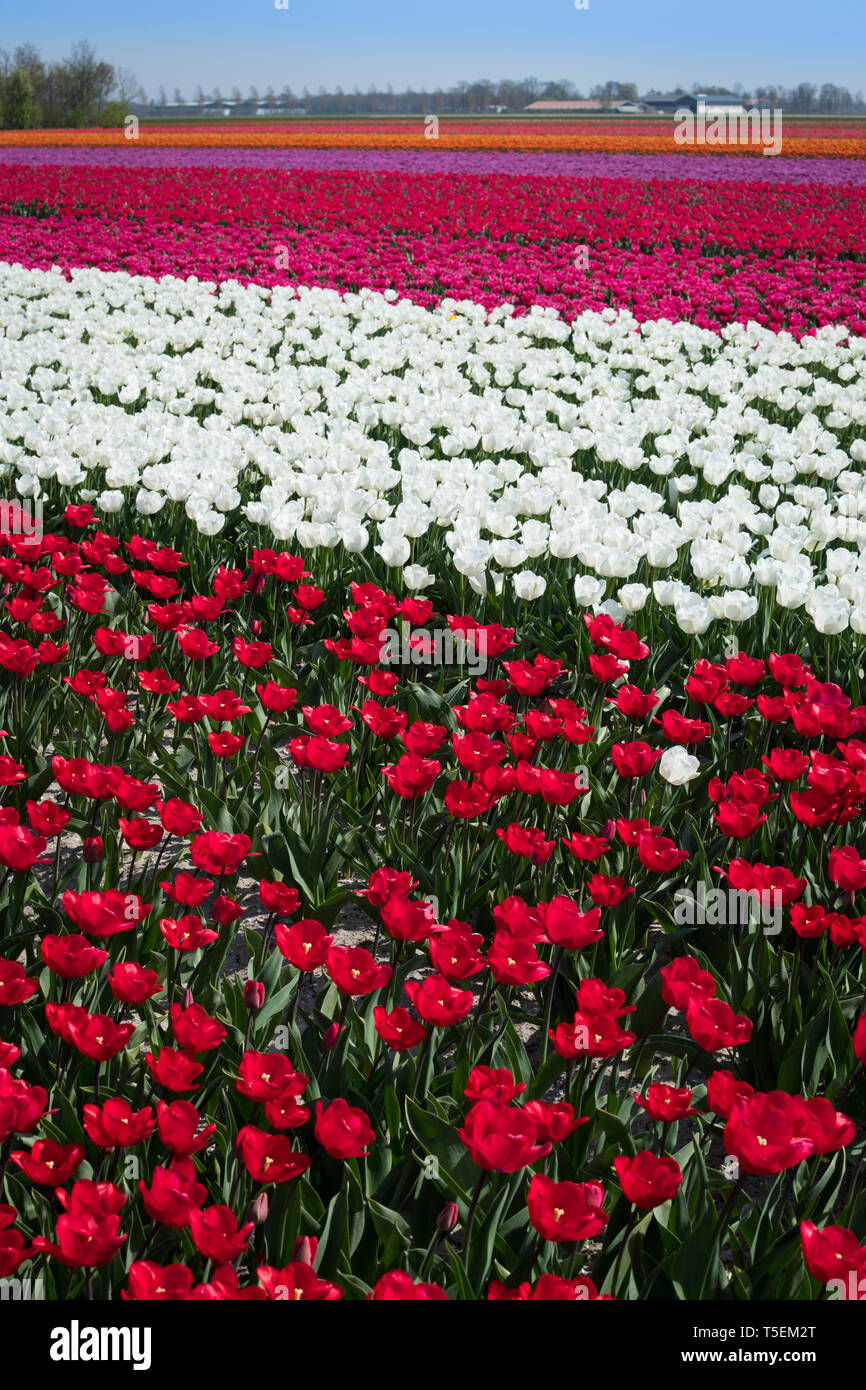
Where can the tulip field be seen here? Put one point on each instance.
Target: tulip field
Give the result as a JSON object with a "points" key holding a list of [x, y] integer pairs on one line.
{"points": [[433, 710]]}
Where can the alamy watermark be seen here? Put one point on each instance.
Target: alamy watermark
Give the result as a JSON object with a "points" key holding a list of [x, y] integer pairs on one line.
{"points": [[21, 1290], [77, 1343], [21, 518], [851, 1290], [712, 126], [717, 907], [438, 646]]}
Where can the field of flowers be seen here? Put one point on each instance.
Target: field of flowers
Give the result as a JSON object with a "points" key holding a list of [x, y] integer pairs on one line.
{"points": [[828, 140], [433, 727], [783, 256]]}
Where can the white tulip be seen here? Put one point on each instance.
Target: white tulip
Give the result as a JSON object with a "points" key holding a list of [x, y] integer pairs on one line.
{"points": [[497, 413], [588, 591], [677, 766], [633, 597], [528, 585], [734, 605], [694, 616], [109, 501], [416, 577], [395, 553]]}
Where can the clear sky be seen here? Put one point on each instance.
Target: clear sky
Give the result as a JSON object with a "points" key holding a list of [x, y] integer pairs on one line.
{"points": [[428, 43]]}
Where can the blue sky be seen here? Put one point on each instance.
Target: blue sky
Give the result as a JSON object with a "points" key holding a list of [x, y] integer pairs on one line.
{"points": [[424, 43]]}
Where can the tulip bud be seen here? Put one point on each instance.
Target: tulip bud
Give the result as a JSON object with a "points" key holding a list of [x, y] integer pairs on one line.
{"points": [[92, 851], [188, 999], [256, 627], [609, 829], [254, 995], [257, 1210], [448, 1217], [331, 1036], [305, 1250]]}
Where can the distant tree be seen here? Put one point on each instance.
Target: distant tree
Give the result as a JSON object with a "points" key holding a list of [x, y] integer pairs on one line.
{"points": [[610, 92], [178, 97], [803, 97], [18, 101], [27, 59], [126, 86], [114, 114], [89, 84]]}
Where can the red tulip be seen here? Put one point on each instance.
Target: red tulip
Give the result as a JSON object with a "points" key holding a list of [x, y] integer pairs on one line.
{"points": [[398, 1029], [714, 1025], [295, 1283], [342, 1130], [395, 1286], [438, 1002], [767, 1133], [355, 971], [175, 1071], [832, 1252], [178, 1124], [15, 986], [173, 1194], [648, 1181], [566, 1211], [49, 1163], [501, 1138], [269, 1157], [117, 1125], [216, 1234]]}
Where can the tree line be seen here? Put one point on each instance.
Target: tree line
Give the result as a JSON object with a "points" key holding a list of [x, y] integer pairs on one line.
{"points": [[466, 98], [83, 90]]}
